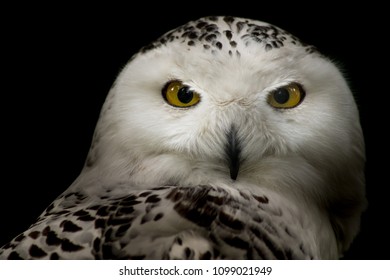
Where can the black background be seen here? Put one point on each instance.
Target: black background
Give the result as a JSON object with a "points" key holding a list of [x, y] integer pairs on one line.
{"points": [[59, 63]]}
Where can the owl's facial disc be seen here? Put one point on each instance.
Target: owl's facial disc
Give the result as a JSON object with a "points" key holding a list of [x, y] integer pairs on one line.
{"points": [[233, 151]]}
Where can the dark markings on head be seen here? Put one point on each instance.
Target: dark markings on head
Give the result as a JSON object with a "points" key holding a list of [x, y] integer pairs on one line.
{"points": [[228, 34], [209, 31]]}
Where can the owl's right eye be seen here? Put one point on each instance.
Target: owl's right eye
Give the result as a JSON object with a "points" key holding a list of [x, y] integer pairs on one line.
{"points": [[286, 97], [179, 95]]}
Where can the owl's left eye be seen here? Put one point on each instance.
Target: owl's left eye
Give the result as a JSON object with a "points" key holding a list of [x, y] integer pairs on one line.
{"points": [[179, 95], [286, 97]]}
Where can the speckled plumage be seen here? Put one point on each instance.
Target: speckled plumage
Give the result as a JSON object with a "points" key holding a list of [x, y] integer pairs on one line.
{"points": [[208, 34], [242, 225], [229, 178]]}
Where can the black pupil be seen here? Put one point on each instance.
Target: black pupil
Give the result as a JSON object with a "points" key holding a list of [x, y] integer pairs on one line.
{"points": [[281, 95], [185, 95]]}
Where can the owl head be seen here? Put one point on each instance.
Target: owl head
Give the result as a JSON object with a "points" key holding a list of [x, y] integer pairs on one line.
{"points": [[239, 103]]}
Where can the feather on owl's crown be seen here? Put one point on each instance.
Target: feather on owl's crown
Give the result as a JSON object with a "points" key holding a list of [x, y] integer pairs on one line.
{"points": [[208, 33]]}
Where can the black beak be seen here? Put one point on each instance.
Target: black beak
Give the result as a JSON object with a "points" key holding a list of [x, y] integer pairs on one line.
{"points": [[233, 151]]}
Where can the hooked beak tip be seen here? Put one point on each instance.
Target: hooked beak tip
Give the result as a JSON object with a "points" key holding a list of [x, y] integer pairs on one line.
{"points": [[233, 151], [233, 173]]}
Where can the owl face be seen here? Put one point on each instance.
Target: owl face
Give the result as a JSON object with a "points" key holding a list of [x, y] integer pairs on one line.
{"points": [[237, 103], [226, 99]]}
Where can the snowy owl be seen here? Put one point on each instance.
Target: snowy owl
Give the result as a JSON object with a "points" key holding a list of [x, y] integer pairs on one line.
{"points": [[226, 138]]}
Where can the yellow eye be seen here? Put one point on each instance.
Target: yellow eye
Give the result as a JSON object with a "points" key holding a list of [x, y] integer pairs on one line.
{"points": [[286, 97], [179, 95]]}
